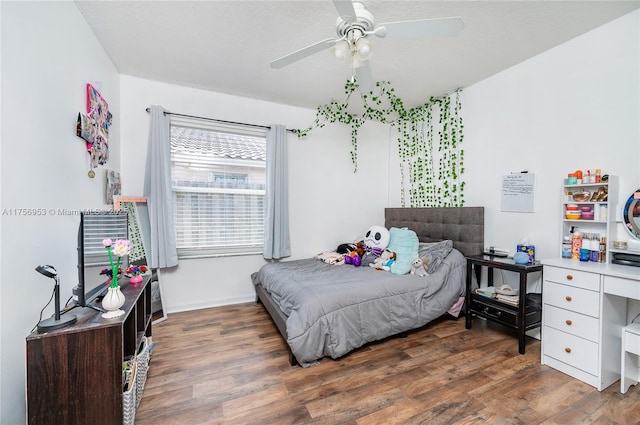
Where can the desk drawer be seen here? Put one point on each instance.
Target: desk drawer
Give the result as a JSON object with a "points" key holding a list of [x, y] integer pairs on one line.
{"points": [[571, 322], [572, 298], [621, 287], [571, 277], [632, 338], [570, 349]]}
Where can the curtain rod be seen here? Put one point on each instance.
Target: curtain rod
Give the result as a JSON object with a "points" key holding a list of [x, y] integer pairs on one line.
{"points": [[290, 130]]}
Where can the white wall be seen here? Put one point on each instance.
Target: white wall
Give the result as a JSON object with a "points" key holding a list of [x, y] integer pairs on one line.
{"points": [[329, 204], [573, 107], [49, 54]]}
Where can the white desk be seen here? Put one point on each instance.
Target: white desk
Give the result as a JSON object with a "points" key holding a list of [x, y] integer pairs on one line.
{"points": [[593, 357]]}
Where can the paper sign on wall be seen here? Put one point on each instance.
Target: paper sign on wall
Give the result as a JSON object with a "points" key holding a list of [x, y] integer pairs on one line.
{"points": [[517, 192]]}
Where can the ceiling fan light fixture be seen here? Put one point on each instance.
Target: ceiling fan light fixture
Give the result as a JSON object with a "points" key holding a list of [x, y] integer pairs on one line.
{"points": [[342, 50], [353, 26], [363, 49]]}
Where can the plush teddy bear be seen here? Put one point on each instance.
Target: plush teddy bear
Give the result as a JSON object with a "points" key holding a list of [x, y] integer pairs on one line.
{"points": [[384, 261], [419, 267]]}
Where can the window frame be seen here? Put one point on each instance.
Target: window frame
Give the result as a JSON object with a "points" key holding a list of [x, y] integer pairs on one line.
{"points": [[239, 130]]}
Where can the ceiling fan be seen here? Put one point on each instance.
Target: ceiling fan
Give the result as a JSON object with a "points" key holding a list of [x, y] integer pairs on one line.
{"points": [[354, 24]]}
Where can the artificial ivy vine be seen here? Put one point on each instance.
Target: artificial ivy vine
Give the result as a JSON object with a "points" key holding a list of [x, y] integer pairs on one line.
{"points": [[431, 159]]}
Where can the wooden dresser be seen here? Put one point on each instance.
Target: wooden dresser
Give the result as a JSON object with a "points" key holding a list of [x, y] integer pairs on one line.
{"points": [[584, 310], [74, 374]]}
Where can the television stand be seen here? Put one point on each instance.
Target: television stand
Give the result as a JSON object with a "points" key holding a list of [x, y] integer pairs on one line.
{"points": [[74, 374]]}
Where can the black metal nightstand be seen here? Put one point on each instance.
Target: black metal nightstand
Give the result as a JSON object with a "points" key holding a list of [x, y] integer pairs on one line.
{"points": [[522, 317]]}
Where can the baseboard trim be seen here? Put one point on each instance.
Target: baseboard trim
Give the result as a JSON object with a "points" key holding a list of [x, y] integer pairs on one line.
{"points": [[211, 303]]}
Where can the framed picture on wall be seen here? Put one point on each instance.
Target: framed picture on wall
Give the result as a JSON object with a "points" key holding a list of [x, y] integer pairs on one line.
{"points": [[114, 186]]}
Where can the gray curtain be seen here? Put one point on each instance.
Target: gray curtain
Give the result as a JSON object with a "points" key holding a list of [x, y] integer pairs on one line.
{"points": [[162, 250], [276, 227]]}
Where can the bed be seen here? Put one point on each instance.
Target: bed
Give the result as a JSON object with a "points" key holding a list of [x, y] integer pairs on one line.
{"points": [[325, 310]]}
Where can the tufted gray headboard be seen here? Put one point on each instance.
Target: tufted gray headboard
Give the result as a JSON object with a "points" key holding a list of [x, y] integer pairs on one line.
{"points": [[463, 225]]}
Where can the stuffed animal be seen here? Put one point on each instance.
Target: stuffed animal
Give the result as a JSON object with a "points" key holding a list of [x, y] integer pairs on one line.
{"points": [[419, 267], [353, 258], [384, 261], [353, 253], [368, 250], [375, 241]]}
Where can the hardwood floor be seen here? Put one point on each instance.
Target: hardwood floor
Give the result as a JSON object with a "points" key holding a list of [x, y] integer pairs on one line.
{"points": [[228, 365]]}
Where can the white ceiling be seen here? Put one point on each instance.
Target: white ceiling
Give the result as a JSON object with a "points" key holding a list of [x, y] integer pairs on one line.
{"points": [[226, 46]]}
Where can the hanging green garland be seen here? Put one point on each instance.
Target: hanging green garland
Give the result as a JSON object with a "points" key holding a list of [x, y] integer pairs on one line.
{"points": [[428, 185]]}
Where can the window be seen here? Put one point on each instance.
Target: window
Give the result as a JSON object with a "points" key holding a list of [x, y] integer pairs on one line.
{"points": [[218, 185]]}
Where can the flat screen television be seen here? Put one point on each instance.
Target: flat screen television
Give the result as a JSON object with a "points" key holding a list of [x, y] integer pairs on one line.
{"points": [[93, 258]]}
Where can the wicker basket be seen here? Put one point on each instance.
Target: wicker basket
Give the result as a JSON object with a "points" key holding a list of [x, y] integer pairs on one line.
{"points": [[142, 365], [129, 398]]}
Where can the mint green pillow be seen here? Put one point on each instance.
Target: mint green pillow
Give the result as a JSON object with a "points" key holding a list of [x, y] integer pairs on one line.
{"points": [[404, 243]]}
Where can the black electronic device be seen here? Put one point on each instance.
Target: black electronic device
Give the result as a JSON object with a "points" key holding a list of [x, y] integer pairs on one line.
{"points": [[57, 321], [495, 252], [47, 270], [93, 258], [626, 259], [625, 262]]}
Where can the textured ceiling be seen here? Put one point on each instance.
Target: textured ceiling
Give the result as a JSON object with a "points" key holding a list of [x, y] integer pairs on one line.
{"points": [[226, 46]]}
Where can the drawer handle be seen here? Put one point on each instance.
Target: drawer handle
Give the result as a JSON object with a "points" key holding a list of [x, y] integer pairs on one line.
{"points": [[568, 298], [569, 322], [569, 277], [568, 350], [487, 312]]}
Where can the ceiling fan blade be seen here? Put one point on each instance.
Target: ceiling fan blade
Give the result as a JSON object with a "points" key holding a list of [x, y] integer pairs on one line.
{"points": [[345, 9], [303, 53], [365, 79], [422, 27]]}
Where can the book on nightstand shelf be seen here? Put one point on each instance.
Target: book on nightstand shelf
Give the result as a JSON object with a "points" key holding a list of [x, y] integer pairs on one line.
{"points": [[487, 291], [491, 292], [508, 299]]}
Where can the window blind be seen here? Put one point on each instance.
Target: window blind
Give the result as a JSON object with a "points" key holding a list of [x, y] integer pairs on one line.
{"points": [[218, 185]]}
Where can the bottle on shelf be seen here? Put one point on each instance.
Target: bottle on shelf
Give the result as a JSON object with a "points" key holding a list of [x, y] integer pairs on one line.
{"points": [[594, 247], [566, 246], [598, 175], [578, 175], [602, 255], [586, 243], [603, 212], [576, 243]]}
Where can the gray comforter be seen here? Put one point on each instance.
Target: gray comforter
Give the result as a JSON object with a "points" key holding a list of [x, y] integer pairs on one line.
{"points": [[333, 309]]}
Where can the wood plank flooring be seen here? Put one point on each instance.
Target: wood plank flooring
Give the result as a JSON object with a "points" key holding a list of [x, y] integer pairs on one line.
{"points": [[228, 365]]}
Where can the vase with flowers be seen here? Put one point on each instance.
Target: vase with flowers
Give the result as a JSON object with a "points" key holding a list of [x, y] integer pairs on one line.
{"points": [[136, 273], [114, 298]]}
